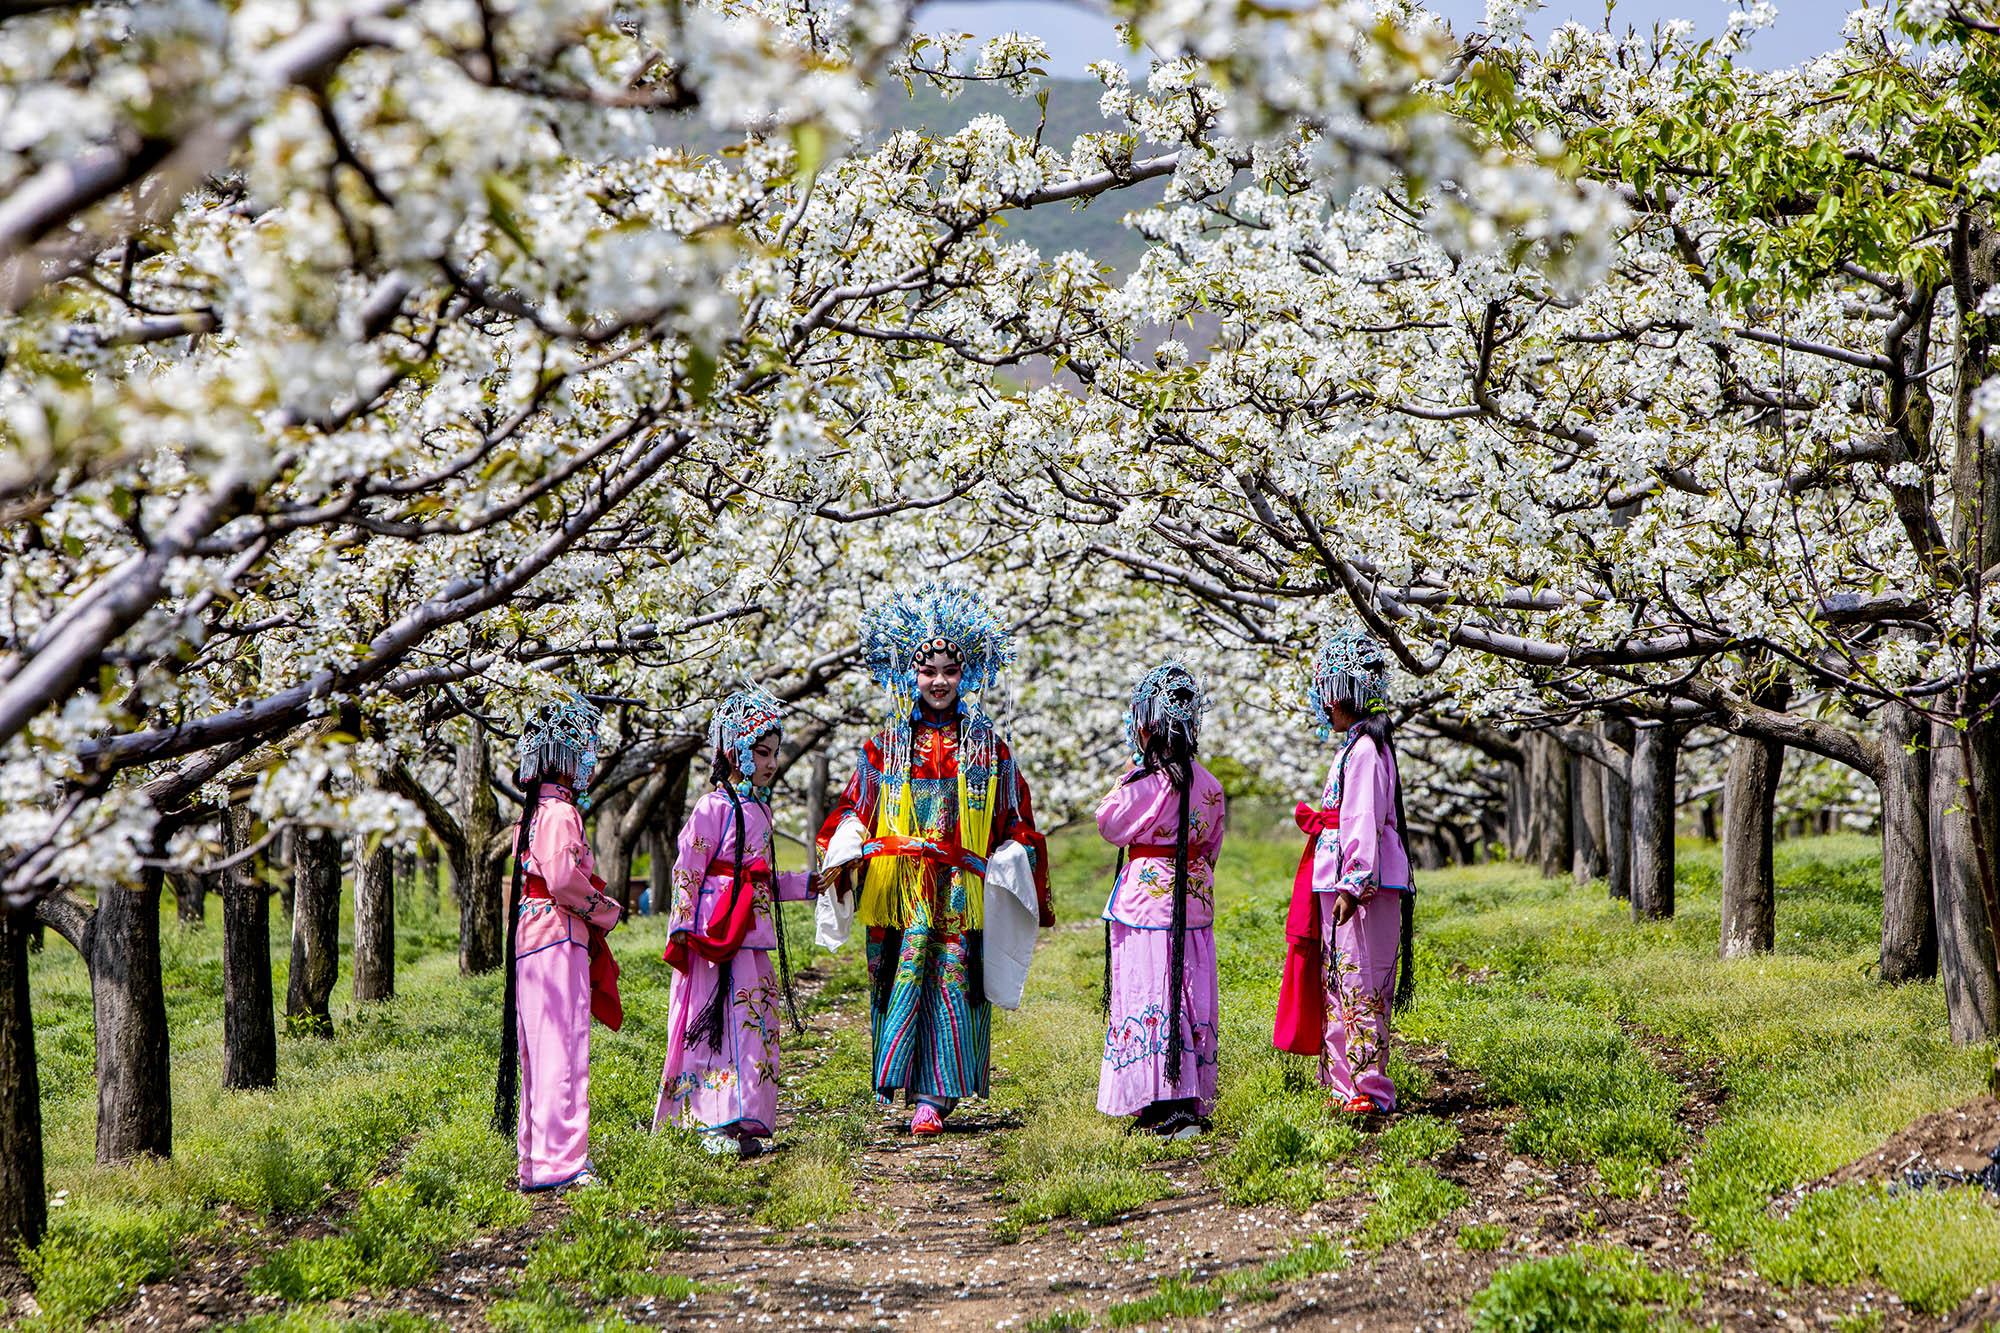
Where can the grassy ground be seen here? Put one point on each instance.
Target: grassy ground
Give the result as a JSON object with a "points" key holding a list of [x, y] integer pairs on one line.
{"points": [[370, 1164]]}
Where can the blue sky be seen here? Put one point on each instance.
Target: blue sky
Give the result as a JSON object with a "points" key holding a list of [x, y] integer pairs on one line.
{"points": [[1077, 36]]}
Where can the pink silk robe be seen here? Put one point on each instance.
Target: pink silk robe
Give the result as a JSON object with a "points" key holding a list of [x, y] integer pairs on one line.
{"points": [[736, 1086], [552, 994], [1364, 859], [1145, 812]]}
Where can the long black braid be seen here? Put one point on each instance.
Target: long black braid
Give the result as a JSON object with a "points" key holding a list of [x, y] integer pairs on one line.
{"points": [[777, 915], [1169, 748], [507, 1086]]}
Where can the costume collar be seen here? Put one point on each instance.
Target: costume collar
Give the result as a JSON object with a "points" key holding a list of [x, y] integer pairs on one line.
{"points": [[920, 718], [558, 792]]}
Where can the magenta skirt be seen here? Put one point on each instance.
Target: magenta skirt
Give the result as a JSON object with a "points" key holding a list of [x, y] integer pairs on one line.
{"points": [[1134, 1073]]}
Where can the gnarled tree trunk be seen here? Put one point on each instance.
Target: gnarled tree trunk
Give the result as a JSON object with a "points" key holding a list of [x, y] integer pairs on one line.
{"points": [[1618, 817], [1586, 828], [1749, 891], [315, 933], [1965, 759], [23, 1202], [1548, 797], [1909, 928], [475, 872], [249, 1021], [135, 1114], [1655, 752], [190, 898], [1964, 920], [375, 926]]}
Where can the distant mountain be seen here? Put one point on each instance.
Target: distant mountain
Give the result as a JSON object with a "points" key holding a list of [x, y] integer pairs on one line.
{"points": [[1093, 228]]}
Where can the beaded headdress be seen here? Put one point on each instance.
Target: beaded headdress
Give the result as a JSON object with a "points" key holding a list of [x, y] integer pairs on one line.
{"points": [[560, 735], [909, 626], [743, 719], [1352, 668], [949, 618], [1168, 695]]}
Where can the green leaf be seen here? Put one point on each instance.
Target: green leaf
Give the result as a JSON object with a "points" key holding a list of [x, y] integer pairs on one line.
{"points": [[504, 201]]}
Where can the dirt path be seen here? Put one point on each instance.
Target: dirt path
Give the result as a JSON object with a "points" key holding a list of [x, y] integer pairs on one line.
{"points": [[920, 1249]]}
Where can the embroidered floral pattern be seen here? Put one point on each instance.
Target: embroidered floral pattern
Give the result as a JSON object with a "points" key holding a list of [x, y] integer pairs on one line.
{"points": [[1143, 1035]]}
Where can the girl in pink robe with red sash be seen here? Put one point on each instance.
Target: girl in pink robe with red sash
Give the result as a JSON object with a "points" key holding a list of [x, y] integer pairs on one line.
{"points": [[721, 1071], [1162, 1000], [1348, 934], [559, 969]]}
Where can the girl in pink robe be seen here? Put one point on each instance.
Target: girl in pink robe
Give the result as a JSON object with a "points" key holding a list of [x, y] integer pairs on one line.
{"points": [[558, 969], [1162, 998], [1359, 882], [721, 1071]]}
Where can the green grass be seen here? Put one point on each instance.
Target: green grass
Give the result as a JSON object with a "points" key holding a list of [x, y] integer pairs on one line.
{"points": [[1546, 992], [1184, 1297], [1588, 1290], [382, 1129], [1820, 1063], [1481, 1237]]}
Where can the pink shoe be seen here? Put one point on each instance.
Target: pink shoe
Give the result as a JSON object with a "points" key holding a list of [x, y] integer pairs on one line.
{"points": [[927, 1120]]}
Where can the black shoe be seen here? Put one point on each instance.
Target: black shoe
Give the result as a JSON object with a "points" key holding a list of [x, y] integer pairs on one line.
{"points": [[1182, 1125]]}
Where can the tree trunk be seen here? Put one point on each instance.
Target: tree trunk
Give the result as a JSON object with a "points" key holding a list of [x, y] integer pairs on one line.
{"points": [[23, 1201], [375, 926], [1965, 764], [1655, 748], [1707, 821], [476, 876], [1586, 828], [134, 1094], [1909, 929], [667, 824], [1618, 818], [817, 787], [612, 850], [249, 1023], [1964, 918], [1548, 797], [427, 856], [1520, 833], [288, 864], [1749, 891], [665, 829], [315, 933], [190, 898]]}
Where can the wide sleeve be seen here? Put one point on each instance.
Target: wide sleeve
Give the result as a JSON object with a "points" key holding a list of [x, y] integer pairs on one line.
{"points": [[560, 856], [1020, 827], [1365, 804], [695, 849], [1126, 811], [794, 886], [857, 799]]}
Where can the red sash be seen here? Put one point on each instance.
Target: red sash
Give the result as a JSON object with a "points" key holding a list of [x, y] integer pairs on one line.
{"points": [[606, 1006], [1301, 1025], [728, 928], [948, 854]]}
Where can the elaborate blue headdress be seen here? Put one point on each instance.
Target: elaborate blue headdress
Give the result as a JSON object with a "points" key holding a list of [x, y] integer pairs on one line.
{"points": [[910, 625], [744, 718], [945, 618], [1351, 668], [560, 736], [1168, 695]]}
